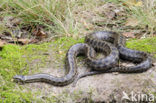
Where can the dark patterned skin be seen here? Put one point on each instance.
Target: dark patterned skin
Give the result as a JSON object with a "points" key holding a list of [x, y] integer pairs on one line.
{"points": [[143, 60], [112, 54]]}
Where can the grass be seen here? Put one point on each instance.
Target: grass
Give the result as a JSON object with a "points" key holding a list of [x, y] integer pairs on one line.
{"points": [[141, 11], [56, 16], [147, 45], [145, 14], [72, 17]]}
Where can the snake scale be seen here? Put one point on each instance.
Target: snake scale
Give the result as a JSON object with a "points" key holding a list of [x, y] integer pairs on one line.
{"points": [[110, 43]]}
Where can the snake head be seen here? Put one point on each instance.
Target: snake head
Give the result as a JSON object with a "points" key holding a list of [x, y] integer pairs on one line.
{"points": [[19, 78]]}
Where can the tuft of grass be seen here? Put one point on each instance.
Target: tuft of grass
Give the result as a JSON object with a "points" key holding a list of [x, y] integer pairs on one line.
{"points": [[56, 16], [74, 17], [145, 15], [144, 11]]}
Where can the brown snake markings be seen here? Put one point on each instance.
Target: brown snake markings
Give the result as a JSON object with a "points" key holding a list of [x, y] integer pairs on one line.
{"points": [[111, 43]]}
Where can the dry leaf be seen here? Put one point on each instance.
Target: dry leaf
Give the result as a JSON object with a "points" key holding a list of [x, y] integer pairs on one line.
{"points": [[68, 35], [34, 41], [87, 25], [40, 34], [2, 43], [139, 3], [129, 34], [133, 3], [24, 41], [131, 22], [115, 73], [16, 21]]}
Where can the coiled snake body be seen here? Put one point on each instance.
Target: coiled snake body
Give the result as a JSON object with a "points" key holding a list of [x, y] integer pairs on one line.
{"points": [[111, 43], [143, 60]]}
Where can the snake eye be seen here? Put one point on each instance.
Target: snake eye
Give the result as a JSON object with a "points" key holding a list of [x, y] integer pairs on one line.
{"points": [[18, 78]]}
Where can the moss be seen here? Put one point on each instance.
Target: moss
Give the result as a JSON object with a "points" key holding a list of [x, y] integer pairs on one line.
{"points": [[66, 42], [147, 45], [13, 59], [16, 96], [61, 46]]}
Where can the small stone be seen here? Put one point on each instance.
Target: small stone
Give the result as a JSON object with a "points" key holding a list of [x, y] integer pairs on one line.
{"points": [[115, 73]]}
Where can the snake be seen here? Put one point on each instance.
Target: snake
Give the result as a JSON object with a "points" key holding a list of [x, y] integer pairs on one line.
{"points": [[142, 60], [102, 64]]}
